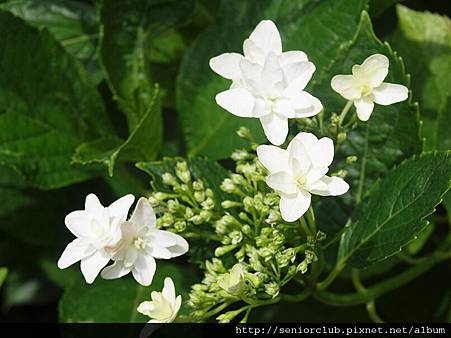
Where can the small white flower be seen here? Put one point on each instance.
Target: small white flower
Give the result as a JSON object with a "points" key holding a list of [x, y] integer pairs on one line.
{"points": [[365, 87], [233, 282], [141, 243], [98, 230], [299, 171], [164, 305], [267, 83]]}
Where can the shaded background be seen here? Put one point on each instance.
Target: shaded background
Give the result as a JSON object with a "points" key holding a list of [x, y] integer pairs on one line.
{"points": [[33, 286]]}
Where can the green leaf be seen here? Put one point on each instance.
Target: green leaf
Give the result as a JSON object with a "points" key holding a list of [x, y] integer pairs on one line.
{"points": [[74, 24], [424, 41], [47, 106], [210, 172], [116, 301], [394, 212], [3, 274], [317, 27], [143, 142], [391, 135], [129, 29]]}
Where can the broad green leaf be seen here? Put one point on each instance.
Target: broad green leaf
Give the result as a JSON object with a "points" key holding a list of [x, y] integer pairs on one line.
{"points": [[47, 106], [37, 217], [423, 40], [142, 143], [393, 214], [73, 23], [3, 274], [317, 27], [387, 138], [378, 7], [129, 30], [210, 172], [116, 301]]}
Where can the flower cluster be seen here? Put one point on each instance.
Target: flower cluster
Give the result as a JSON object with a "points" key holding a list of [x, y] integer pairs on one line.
{"points": [[260, 253], [104, 234]]}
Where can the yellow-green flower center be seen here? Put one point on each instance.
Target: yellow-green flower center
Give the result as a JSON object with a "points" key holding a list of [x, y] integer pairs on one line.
{"points": [[139, 243]]}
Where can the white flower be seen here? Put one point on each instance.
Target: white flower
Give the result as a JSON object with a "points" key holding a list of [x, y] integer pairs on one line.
{"points": [[164, 305], [267, 83], [365, 87], [141, 243], [98, 230], [233, 282], [299, 171]]}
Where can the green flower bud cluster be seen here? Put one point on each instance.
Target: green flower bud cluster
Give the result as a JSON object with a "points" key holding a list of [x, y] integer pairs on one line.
{"points": [[188, 206], [258, 253]]}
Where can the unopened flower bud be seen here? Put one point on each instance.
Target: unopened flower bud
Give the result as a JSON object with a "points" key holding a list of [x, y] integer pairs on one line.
{"points": [[182, 172], [351, 159], [233, 282], [169, 179], [230, 204]]}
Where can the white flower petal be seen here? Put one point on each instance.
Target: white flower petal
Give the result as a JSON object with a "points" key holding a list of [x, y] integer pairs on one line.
{"points": [[315, 174], [364, 107], [275, 128], [74, 252], [178, 305], [284, 107], [375, 68], [115, 270], [292, 207], [146, 307], [227, 65], [292, 56], [330, 186], [252, 52], [91, 266], [346, 87], [389, 93], [282, 181], [298, 74], [322, 153], [79, 223], [120, 207], [300, 161], [159, 251], [93, 205], [307, 139], [143, 215], [314, 109], [266, 37], [237, 101], [169, 290], [176, 244], [273, 158], [144, 270]]}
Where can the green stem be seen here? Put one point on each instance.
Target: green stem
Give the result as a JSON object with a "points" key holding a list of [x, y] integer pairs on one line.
{"points": [[344, 112], [371, 305], [310, 215], [296, 298], [330, 278], [375, 291], [305, 227], [216, 310]]}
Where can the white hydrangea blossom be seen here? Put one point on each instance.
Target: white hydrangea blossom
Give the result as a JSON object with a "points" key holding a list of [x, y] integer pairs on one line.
{"points": [[299, 171], [98, 230], [267, 83], [365, 86], [164, 306], [141, 243]]}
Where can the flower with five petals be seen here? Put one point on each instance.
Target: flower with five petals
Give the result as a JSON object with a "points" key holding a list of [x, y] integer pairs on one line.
{"points": [[365, 86], [141, 243], [299, 171], [164, 306]]}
